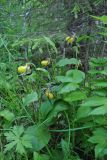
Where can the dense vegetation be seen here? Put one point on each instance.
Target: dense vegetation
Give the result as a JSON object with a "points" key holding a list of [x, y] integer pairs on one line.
{"points": [[53, 80]]}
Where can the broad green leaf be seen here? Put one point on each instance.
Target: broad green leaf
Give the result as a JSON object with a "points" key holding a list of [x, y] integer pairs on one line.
{"points": [[74, 96], [30, 98], [94, 72], [7, 115], [58, 107], [39, 136], [45, 108], [104, 72], [101, 120], [68, 88], [64, 79], [94, 101], [100, 139], [66, 61], [77, 76], [100, 83], [100, 92], [99, 110], [74, 76], [83, 112], [95, 62], [37, 156]]}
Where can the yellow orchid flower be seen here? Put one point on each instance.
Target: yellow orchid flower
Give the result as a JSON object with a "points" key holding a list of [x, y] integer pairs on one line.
{"points": [[22, 69], [49, 94], [45, 62], [70, 39]]}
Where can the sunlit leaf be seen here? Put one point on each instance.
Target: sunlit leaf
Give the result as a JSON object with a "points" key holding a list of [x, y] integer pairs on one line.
{"points": [[32, 97], [7, 115]]}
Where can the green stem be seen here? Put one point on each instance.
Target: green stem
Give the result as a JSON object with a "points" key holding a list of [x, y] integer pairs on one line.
{"points": [[49, 152], [9, 54], [69, 132], [73, 129]]}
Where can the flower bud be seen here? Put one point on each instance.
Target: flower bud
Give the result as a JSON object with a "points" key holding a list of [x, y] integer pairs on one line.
{"points": [[49, 94]]}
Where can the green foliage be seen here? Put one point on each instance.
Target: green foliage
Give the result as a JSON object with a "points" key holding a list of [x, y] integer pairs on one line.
{"points": [[17, 140], [40, 156], [30, 98], [71, 123], [7, 115], [99, 138], [66, 61], [39, 136]]}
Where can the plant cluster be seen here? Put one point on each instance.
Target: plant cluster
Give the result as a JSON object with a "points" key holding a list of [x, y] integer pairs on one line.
{"points": [[51, 106], [55, 112]]}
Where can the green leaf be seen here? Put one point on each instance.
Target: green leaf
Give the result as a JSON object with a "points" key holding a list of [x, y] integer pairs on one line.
{"points": [[1, 156], [100, 83], [74, 76], [30, 98], [45, 108], [68, 88], [20, 148], [104, 72], [83, 37], [99, 110], [17, 140], [51, 43], [96, 62], [18, 130], [7, 115], [10, 146], [10, 136], [26, 141], [94, 101], [98, 150], [44, 71], [58, 107], [101, 18], [66, 61], [64, 79], [65, 148], [100, 139], [39, 136], [37, 156], [74, 96], [83, 112], [99, 136], [94, 72], [77, 76], [100, 92]]}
